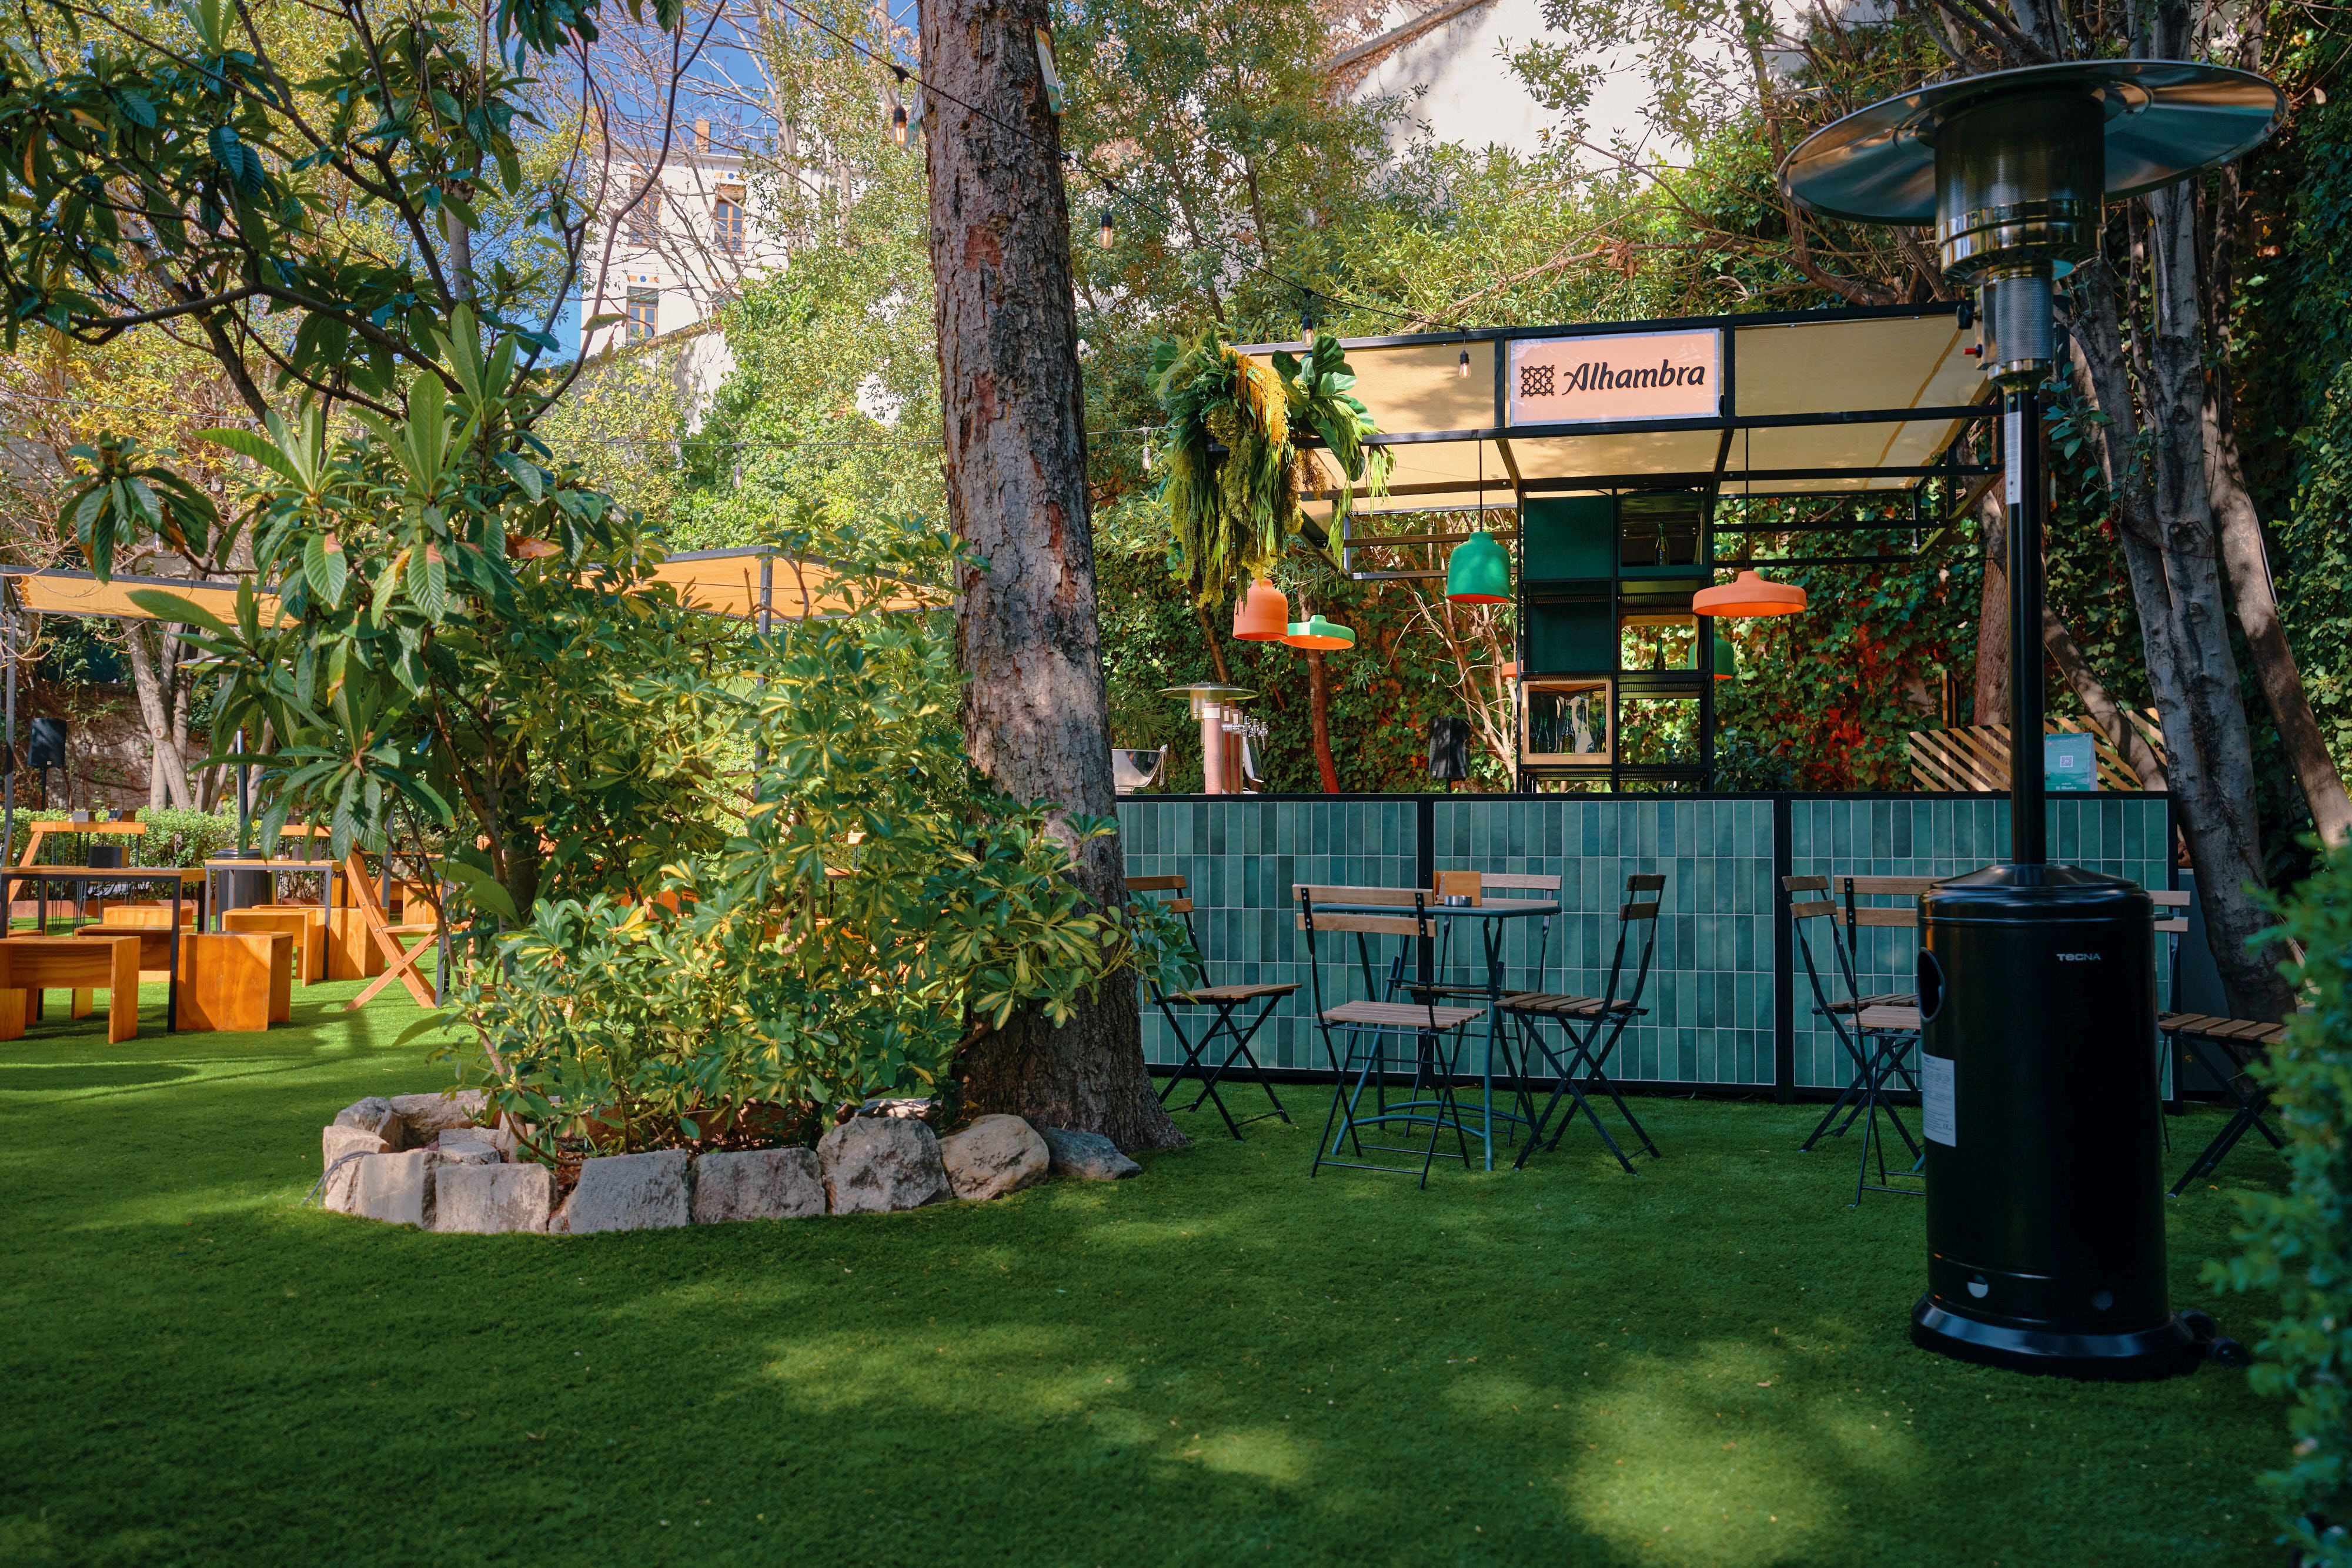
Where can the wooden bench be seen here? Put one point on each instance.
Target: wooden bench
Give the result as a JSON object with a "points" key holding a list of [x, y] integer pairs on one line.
{"points": [[336, 944], [31, 964]]}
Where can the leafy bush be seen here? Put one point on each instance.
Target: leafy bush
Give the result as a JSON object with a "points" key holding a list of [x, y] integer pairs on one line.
{"points": [[2299, 1243], [880, 909], [183, 838]]}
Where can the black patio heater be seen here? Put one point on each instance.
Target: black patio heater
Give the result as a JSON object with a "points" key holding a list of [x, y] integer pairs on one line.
{"points": [[2037, 982]]}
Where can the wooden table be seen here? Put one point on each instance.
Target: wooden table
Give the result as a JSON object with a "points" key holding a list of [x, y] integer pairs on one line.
{"points": [[84, 876]]}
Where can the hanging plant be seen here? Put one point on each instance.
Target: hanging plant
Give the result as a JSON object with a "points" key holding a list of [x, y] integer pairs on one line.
{"points": [[1236, 466]]}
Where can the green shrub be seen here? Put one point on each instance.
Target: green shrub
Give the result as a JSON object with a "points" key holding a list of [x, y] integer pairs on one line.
{"points": [[2299, 1243], [879, 910], [183, 838]]}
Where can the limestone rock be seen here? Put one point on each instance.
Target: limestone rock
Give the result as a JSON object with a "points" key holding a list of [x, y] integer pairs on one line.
{"points": [[427, 1116], [994, 1156], [872, 1165], [336, 1141], [631, 1192], [468, 1146], [489, 1199], [394, 1188], [1089, 1156], [905, 1107], [372, 1114], [756, 1184]]}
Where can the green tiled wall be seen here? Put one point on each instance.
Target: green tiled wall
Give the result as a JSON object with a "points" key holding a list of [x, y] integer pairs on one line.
{"points": [[1709, 993], [1239, 858], [1712, 987], [1941, 836]]}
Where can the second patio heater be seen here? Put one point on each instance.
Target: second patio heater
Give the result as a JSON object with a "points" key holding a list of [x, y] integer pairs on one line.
{"points": [[2037, 982]]}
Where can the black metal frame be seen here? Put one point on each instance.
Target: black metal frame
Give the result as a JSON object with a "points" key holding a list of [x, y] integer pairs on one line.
{"points": [[1369, 1067], [1877, 1055], [1221, 1024], [1613, 1015], [2218, 1059]]}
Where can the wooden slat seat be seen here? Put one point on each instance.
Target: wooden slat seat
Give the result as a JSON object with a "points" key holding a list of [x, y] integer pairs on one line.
{"points": [[1245, 993], [1401, 1015], [1888, 1020], [2204, 1026], [1554, 1004], [1879, 999]]}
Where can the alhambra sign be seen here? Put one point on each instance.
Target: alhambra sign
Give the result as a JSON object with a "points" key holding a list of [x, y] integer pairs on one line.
{"points": [[1632, 375]]}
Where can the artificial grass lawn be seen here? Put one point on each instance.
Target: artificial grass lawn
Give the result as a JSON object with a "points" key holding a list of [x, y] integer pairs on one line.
{"points": [[1219, 1360]]}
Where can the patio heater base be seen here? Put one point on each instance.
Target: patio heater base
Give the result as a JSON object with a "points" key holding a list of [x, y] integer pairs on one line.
{"points": [[2144, 1358]]}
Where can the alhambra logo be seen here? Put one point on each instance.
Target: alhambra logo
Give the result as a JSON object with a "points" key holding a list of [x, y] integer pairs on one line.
{"points": [[1614, 377], [1544, 380]]}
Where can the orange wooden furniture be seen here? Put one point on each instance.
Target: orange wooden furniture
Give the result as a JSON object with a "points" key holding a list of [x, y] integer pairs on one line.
{"points": [[235, 981], [31, 964], [145, 915], [299, 922], [155, 946], [44, 827]]}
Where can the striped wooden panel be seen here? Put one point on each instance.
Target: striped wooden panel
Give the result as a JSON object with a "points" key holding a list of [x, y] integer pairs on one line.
{"points": [[1976, 757]]}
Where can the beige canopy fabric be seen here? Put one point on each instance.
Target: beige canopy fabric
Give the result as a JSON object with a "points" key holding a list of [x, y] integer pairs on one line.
{"points": [[1812, 402], [723, 582]]}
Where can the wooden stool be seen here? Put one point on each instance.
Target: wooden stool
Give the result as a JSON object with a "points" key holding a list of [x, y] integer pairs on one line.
{"points": [[303, 925], [237, 982]]}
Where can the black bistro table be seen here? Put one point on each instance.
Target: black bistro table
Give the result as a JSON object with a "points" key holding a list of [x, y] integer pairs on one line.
{"points": [[1491, 914], [84, 877]]}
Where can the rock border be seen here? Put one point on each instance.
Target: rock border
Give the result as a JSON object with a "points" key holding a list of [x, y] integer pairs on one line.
{"points": [[427, 1161]]}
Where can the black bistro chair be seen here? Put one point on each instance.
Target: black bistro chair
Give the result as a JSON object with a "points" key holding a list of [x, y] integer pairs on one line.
{"points": [[1368, 1025], [1590, 1027], [1879, 1033], [1224, 1004]]}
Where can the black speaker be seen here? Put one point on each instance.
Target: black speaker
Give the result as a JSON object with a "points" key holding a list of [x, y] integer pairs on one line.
{"points": [[45, 747], [1449, 749]]}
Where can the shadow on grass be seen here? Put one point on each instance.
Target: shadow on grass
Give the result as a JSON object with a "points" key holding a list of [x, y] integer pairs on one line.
{"points": [[1221, 1359]]}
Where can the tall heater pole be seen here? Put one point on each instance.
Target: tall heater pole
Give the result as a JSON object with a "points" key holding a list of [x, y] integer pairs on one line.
{"points": [[2028, 831]]}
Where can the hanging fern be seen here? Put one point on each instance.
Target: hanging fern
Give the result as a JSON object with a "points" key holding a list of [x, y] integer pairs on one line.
{"points": [[1235, 465]]}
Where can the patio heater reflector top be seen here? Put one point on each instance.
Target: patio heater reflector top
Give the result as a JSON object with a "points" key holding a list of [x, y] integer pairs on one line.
{"points": [[2164, 121]]}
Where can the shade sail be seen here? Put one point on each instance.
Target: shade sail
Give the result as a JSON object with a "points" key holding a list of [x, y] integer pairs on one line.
{"points": [[723, 582], [1794, 404]]}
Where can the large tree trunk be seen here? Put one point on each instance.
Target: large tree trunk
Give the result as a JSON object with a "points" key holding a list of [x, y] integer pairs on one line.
{"points": [[1035, 717], [152, 650], [2166, 527], [1991, 696], [2256, 599]]}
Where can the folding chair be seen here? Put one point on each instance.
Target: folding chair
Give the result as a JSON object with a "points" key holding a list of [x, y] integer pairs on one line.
{"points": [[1368, 1023], [1877, 1033], [1224, 1002], [1476, 885], [2225, 1048], [1580, 1068]]}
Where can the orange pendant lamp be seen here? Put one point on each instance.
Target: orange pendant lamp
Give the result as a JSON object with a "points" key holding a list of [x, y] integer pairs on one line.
{"points": [[1263, 615], [1749, 594]]}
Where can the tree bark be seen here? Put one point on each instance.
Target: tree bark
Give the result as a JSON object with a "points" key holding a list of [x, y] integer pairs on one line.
{"points": [[1991, 691], [1209, 637], [2251, 590], [152, 651], [2167, 526], [1035, 715], [1319, 693]]}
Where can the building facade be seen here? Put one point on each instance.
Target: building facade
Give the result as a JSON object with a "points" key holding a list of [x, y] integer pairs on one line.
{"points": [[678, 235]]}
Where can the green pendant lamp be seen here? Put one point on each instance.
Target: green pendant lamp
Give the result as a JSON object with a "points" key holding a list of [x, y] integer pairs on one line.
{"points": [[1479, 572], [1317, 634], [1726, 667]]}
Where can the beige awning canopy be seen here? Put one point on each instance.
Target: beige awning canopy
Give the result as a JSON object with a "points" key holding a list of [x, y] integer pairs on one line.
{"points": [[1812, 402], [723, 582]]}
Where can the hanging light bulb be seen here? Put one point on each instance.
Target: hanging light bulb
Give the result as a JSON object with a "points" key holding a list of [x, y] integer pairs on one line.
{"points": [[1105, 233], [1147, 456], [1463, 370], [898, 124]]}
